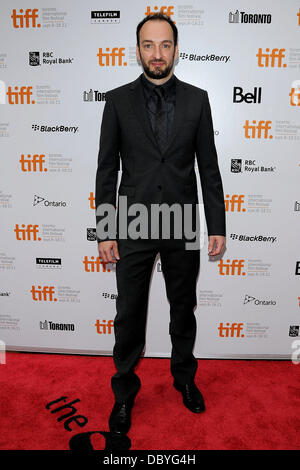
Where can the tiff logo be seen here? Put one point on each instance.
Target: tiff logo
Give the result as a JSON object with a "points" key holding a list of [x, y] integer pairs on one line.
{"points": [[167, 10], [233, 268], [270, 59], [18, 96], [235, 203], [256, 129], [295, 93], [232, 330], [45, 293], [27, 232], [32, 163], [93, 265], [92, 201], [104, 328], [110, 57], [30, 16]]}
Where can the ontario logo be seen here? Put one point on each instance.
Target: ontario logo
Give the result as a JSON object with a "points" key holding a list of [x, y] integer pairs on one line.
{"points": [[249, 299], [46, 203]]}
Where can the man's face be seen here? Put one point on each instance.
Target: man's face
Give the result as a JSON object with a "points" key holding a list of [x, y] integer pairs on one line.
{"points": [[156, 51]]}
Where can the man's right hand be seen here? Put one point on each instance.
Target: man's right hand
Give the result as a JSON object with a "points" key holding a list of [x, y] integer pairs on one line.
{"points": [[105, 251]]}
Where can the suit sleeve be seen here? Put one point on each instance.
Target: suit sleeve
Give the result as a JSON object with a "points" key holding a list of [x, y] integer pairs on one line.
{"points": [[108, 160], [211, 182]]}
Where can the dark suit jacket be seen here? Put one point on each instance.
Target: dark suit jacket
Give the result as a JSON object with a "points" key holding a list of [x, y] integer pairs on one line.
{"points": [[149, 176]]}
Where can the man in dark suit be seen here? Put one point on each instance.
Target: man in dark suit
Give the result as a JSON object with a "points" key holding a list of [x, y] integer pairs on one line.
{"points": [[156, 124]]}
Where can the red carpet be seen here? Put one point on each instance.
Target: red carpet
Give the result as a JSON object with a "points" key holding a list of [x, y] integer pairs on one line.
{"points": [[249, 404]]}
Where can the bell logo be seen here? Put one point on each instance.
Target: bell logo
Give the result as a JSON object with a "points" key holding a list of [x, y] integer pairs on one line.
{"points": [[233, 268], [29, 16], [32, 163], [42, 294], [256, 129], [295, 93], [27, 232], [18, 96], [92, 201], [164, 9], [93, 265], [110, 57], [234, 204], [232, 330], [271, 59], [104, 328]]}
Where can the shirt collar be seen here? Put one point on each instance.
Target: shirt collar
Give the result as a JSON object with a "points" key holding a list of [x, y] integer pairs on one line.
{"points": [[167, 86]]}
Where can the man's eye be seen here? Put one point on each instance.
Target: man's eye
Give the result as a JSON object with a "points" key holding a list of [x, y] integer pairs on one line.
{"points": [[167, 46]]}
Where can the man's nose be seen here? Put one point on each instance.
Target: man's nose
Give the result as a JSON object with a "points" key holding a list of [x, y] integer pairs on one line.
{"points": [[157, 52]]}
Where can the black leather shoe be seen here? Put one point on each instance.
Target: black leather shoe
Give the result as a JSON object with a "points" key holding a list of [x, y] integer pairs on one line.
{"points": [[192, 397], [120, 417]]}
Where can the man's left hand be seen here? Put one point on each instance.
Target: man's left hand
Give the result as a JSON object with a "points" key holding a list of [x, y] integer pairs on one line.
{"points": [[216, 244]]}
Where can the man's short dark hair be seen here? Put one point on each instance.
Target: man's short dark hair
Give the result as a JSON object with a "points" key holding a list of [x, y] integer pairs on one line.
{"points": [[157, 17]]}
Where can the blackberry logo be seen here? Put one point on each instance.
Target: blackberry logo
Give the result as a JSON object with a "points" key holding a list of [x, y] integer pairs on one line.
{"points": [[183, 55], [106, 295]]}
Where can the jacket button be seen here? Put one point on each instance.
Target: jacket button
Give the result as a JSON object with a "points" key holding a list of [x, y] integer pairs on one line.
{"points": [[159, 186], [162, 160]]}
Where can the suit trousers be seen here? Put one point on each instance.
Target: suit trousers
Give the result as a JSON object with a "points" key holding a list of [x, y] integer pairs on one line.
{"points": [[180, 268]]}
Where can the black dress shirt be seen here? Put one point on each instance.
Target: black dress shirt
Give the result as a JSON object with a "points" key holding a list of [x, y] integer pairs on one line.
{"points": [[151, 99]]}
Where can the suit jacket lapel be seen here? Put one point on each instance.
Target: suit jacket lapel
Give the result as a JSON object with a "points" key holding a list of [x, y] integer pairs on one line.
{"points": [[140, 109], [179, 113]]}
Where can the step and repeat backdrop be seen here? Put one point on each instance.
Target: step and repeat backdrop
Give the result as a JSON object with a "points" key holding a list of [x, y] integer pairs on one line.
{"points": [[57, 61]]}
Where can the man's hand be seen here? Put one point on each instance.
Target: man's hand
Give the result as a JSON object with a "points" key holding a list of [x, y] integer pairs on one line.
{"points": [[105, 251], [216, 244]]}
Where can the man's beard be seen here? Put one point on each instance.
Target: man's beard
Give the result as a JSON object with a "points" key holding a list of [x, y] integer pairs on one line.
{"points": [[158, 73]]}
